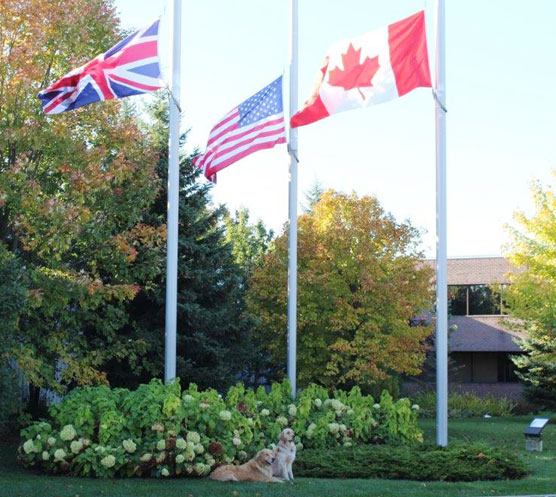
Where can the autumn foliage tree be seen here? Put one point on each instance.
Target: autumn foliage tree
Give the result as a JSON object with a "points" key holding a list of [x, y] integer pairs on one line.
{"points": [[531, 298], [73, 188], [359, 285]]}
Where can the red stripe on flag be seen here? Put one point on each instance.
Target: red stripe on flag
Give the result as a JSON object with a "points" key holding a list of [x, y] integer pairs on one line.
{"points": [[248, 132], [133, 54], [135, 84], [408, 53], [219, 153], [245, 153]]}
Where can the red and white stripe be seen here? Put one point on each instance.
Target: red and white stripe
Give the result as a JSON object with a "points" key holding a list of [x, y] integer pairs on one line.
{"points": [[228, 142]]}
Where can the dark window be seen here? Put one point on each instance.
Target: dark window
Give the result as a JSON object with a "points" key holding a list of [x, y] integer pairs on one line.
{"points": [[483, 300], [457, 300]]}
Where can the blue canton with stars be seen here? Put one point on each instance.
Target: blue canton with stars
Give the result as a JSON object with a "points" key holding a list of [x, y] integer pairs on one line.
{"points": [[263, 104]]}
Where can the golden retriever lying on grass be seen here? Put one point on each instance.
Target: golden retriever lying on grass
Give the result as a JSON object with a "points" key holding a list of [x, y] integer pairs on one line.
{"points": [[257, 469]]}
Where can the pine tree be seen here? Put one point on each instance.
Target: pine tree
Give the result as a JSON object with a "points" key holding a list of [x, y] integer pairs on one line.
{"points": [[211, 333]]}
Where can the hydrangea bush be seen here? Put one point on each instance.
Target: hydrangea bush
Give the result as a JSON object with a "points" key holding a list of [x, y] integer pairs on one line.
{"points": [[160, 431]]}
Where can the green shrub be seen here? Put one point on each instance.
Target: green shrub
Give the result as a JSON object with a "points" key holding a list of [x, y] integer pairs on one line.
{"points": [[158, 430], [459, 462], [465, 405]]}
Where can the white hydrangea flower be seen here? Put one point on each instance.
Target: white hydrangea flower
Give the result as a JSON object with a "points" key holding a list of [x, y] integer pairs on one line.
{"points": [[347, 444], [51, 441], [415, 406], [225, 415], [29, 446], [59, 455], [190, 446], [349, 412], [199, 468], [199, 449], [129, 445], [333, 428], [299, 446], [39, 436], [171, 433], [242, 455], [45, 455], [249, 421], [165, 472], [236, 441], [336, 404], [188, 398], [76, 446], [86, 442], [161, 444], [292, 410], [161, 457], [194, 437], [265, 412], [327, 402], [109, 461], [157, 427], [180, 458], [68, 433], [281, 420], [146, 457], [189, 469], [317, 402], [204, 405], [376, 406], [189, 455], [99, 448], [272, 446], [181, 444], [211, 462]]}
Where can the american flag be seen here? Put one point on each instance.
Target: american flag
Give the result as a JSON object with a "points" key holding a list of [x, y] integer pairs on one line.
{"points": [[256, 124], [131, 67]]}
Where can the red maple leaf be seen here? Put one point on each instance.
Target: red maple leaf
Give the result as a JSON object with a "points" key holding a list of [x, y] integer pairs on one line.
{"points": [[354, 74]]}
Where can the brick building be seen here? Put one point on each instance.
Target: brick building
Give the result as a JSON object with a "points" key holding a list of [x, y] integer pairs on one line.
{"points": [[482, 342]]}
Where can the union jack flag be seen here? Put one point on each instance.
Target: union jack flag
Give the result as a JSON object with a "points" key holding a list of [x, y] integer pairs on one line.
{"points": [[131, 67]]}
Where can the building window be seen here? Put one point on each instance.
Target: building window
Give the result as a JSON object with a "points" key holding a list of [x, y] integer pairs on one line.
{"points": [[473, 300]]}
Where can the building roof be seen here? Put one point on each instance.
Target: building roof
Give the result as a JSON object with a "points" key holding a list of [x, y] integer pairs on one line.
{"points": [[483, 334], [476, 270]]}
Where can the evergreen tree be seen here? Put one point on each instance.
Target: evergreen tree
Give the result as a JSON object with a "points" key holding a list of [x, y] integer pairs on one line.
{"points": [[211, 334], [312, 196]]}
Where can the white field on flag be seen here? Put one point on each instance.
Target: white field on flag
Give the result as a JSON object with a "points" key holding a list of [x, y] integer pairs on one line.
{"points": [[366, 48], [256, 124]]}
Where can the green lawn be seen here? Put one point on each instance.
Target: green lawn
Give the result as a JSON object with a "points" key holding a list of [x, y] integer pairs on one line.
{"points": [[508, 432]]}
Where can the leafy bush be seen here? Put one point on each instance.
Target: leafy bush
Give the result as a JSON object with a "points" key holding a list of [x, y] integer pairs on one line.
{"points": [[158, 430], [465, 405], [459, 462]]}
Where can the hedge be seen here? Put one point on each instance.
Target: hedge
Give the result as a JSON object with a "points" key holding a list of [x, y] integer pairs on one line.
{"points": [[458, 462]]}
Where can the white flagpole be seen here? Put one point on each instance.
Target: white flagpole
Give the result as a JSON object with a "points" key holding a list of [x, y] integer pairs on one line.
{"points": [[441, 243], [173, 199], [292, 244]]}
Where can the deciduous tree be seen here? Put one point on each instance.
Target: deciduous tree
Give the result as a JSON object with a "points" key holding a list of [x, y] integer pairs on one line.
{"points": [[359, 284], [73, 188], [531, 297]]}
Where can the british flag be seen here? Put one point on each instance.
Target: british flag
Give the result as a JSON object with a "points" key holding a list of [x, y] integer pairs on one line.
{"points": [[131, 67]]}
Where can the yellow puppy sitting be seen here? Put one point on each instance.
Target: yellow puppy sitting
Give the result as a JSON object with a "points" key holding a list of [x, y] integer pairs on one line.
{"points": [[257, 469]]}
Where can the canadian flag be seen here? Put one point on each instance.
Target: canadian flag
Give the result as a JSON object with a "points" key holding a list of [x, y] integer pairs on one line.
{"points": [[374, 68]]}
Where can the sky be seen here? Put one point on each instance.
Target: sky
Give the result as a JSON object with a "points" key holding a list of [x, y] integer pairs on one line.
{"points": [[500, 96]]}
